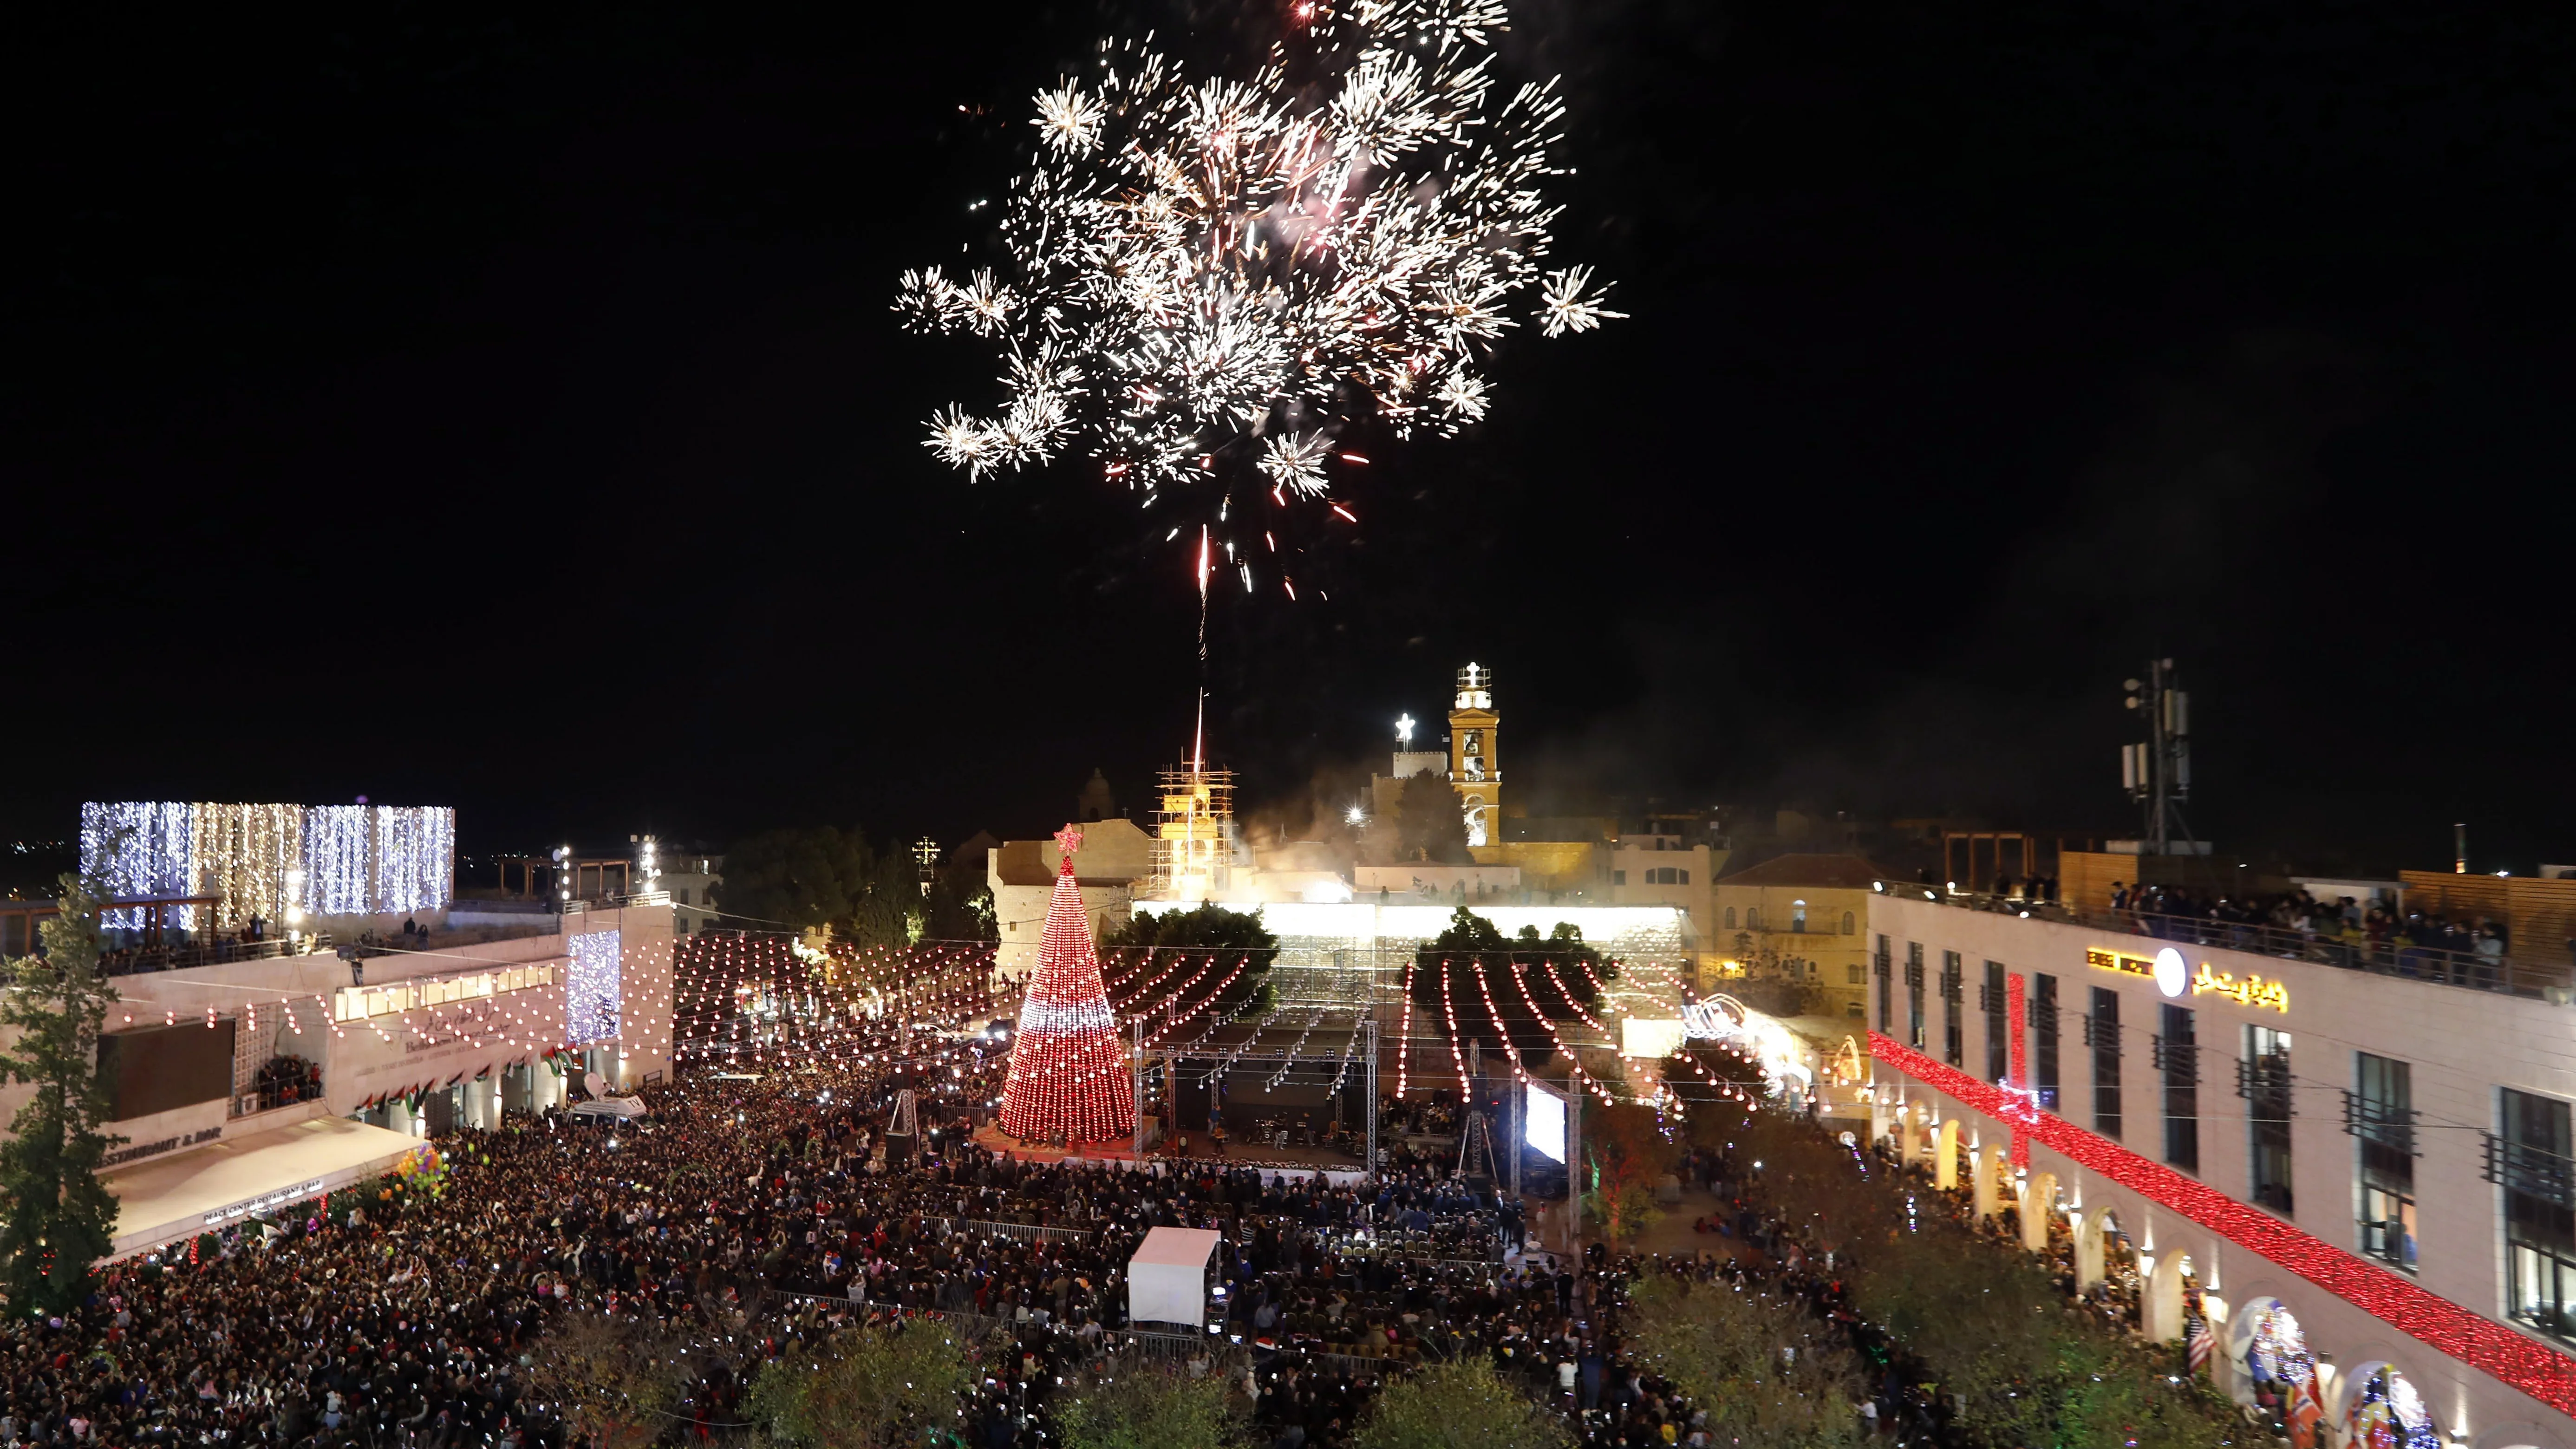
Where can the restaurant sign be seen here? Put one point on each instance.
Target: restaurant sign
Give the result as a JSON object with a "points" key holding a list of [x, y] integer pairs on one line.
{"points": [[264, 1203], [2172, 977]]}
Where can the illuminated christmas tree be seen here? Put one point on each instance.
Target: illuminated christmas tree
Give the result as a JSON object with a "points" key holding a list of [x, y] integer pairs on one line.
{"points": [[1069, 1075]]}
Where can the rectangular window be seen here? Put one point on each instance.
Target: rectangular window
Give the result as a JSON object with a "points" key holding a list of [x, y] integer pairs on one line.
{"points": [[1681, 877], [1856, 971], [2380, 1114], [1996, 1001], [2043, 1039], [2531, 1162], [2102, 1034], [1914, 994], [1618, 877], [2178, 1059], [1886, 985], [2264, 1083], [1954, 1046]]}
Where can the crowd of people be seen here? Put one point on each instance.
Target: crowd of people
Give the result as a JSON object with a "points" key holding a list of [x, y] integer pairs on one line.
{"points": [[2344, 931], [413, 1314], [409, 1313]]}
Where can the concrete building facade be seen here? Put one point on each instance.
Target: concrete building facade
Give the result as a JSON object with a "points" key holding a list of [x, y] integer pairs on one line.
{"points": [[2361, 1174]]}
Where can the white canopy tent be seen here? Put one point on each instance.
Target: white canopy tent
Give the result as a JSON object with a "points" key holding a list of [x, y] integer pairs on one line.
{"points": [[1167, 1280], [174, 1198]]}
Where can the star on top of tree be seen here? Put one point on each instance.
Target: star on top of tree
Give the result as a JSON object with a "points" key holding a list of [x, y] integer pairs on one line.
{"points": [[1067, 841]]}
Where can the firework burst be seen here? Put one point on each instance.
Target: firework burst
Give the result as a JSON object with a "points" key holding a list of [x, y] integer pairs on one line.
{"points": [[1214, 284]]}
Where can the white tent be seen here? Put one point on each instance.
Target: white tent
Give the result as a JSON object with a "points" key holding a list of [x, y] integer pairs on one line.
{"points": [[1167, 1280]]}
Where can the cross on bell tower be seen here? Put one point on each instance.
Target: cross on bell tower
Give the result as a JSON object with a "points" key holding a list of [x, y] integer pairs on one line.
{"points": [[1475, 760]]}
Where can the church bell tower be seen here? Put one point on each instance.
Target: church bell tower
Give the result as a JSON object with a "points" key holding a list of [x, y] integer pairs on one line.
{"points": [[1475, 761]]}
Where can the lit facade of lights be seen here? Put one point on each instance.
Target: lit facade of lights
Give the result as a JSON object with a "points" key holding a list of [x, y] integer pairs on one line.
{"points": [[278, 862], [592, 987]]}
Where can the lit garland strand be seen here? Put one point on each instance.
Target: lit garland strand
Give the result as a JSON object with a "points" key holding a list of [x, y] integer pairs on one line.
{"points": [[1570, 1000], [1582, 1078], [1449, 1009], [1511, 1053], [1183, 1018], [1129, 1004], [1404, 1035]]}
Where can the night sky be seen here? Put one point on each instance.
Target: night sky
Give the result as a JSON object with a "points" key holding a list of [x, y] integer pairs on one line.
{"points": [[501, 407]]}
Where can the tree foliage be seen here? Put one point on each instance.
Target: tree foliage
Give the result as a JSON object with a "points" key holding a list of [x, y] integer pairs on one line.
{"points": [[1554, 973], [1981, 1314], [817, 876], [1722, 1342], [1429, 824], [1624, 1151], [616, 1378], [960, 904], [1151, 1406], [870, 1387], [60, 1219], [1462, 1405], [1211, 928]]}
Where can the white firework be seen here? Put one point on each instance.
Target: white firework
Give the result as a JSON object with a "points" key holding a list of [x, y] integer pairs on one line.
{"points": [[1563, 307], [1214, 283]]}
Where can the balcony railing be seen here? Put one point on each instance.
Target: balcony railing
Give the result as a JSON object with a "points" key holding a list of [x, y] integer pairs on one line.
{"points": [[2506, 975], [137, 960], [2389, 1126], [2531, 1171]]}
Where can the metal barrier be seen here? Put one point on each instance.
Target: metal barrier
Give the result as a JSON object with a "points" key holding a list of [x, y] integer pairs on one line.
{"points": [[1017, 1232]]}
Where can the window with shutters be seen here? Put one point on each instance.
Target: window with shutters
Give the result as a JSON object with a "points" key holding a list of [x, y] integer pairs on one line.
{"points": [[2102, 1035], [2379, 1113]]}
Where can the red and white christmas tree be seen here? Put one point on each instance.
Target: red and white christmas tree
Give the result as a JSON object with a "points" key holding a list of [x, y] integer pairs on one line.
{"points": [[1069, 1075]]}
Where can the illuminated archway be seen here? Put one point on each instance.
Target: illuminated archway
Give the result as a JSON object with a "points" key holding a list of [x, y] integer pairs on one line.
{"points": [[2093, 1231], [2160, 1297], [1945, 1155], [2381, 1409], [1985, 1192], [2273, 1369], [2038, 1201]]}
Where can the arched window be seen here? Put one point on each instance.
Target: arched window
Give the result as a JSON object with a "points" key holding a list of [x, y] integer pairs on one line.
{"points": [[1849, 924], [1730, 918]]}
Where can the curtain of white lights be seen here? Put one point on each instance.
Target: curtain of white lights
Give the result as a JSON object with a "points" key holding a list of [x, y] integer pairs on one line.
{"points": [[591, 987], [271, 860]]}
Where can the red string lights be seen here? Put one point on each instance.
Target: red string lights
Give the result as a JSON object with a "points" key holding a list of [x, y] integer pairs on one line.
{"points": [[1068, 1074], [2434, 1321]]}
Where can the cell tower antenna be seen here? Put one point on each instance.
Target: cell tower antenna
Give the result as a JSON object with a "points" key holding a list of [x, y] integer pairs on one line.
{"points": [[2156, 771]]}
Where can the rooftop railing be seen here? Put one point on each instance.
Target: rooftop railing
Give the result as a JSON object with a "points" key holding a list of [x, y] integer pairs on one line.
{"points": [[2501, 973], [137, 960]]}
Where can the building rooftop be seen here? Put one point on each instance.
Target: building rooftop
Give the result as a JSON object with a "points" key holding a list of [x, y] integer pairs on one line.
{"points": [[1843, 872]]}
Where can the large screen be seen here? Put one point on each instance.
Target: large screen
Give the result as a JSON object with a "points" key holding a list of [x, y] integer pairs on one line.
{"points": [[1543, 1125], [157, 1068]]}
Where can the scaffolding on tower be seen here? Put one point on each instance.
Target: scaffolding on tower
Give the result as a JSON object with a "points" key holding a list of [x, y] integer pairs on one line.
{"points": [[1194, 839]]}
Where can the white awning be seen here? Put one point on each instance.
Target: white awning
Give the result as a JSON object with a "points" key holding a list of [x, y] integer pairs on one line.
{"points": [[171, 1199]]}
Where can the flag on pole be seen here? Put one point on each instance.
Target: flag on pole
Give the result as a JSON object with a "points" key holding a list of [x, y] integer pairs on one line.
{"points": [[2196, 1343]]}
